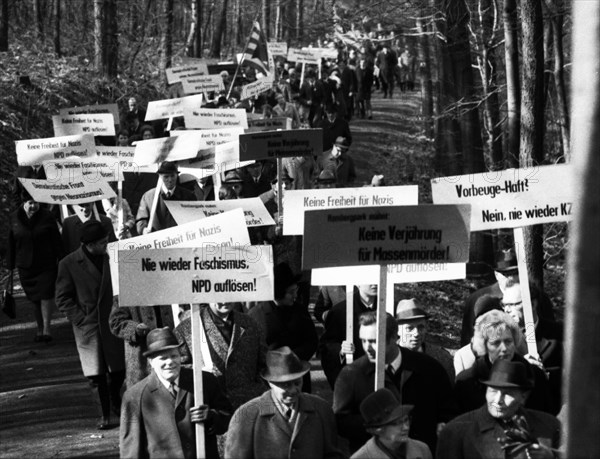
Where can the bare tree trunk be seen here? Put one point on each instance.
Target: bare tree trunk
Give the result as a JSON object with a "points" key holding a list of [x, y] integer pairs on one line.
{"points": [[98, 33], [112, 39], [166, 42], [425, 73], [299, 19], [532, 122], [207, 26], [215, 48], [513, 86], [39, 18], [57, 49], [582, 360], [556, 8], [198, 19], [278, 17], [194, 30], [4, 25], [266, 18]]}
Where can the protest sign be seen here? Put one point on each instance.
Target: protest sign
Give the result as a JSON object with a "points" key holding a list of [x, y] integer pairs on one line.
{"points": [[255, 212], [96, 124], [510, 198], [92, 110], [35, 151], [397, 274], [225, 274], [385, 235], [297, 202], [227, 229], [214, 118], [324, 53], [270, 144], [278, 48], [119, 157], [257, 87], [91, 169], [187, 144], [167, 108], [206, 83], [191, 69], [68, 191], [303, 56], [269, 124]]}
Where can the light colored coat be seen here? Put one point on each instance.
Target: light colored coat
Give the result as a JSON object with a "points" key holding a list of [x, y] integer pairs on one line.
{"points": [[85, 296], [415, 449], [258, 430]]}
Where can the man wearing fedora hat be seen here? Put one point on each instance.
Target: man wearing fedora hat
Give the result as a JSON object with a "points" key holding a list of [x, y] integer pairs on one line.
{"points": [[502, 427], [158, 413], [84, 295], [337, 161], [412, 334], [284, 422], [168, 172], [389, 423]]}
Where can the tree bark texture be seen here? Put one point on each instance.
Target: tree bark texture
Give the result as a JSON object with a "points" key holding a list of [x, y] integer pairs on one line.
{"points": [[299, 19], [582, 362], [39, 18], [425, 73], [215, 49], [266, 18], [4, 12], [513, 85], [57, 49], [166, 42]]}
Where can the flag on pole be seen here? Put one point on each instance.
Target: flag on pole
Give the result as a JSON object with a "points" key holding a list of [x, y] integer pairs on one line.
{"points": [[256, 54]]}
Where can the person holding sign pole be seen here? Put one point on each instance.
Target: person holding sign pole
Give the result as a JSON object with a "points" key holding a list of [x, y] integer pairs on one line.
{"points": [[84, 295], [159, 413], [284, 422], [413, 377], [168, 191]]}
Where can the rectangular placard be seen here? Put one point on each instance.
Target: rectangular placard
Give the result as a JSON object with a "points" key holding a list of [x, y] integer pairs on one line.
{"points": [[35, 151], [167, 108], [97, 124], [278, 48], [510, 198], [303, 56], [91, 169], [257, 87], [269, 124], [227, 229], [386, 235], [92, 110], [255, 212], [205, 83], [397, 274], [297, 202], [214, 118], [77, 190], [225, 274], [192, 69], [281, 144], [324, 53]]}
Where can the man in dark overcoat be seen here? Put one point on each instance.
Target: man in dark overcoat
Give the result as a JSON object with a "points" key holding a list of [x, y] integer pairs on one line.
{"points": [[84, 294], [159, 412]]}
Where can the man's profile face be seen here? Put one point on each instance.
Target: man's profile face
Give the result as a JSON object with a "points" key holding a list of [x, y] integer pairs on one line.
{"points": [[368, 339], [167, 364], [286, 392], [512, 303], [504, 402], [368, 290]]}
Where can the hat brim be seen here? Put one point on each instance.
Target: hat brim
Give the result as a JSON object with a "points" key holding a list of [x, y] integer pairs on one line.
{"points": [[158, 351], [397, 413], [287, 377], [507, 385]]}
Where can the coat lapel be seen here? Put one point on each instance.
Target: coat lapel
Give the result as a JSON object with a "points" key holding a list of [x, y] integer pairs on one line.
{"points": [[305, 411], [487, 442], [87, 266], [216, 343], [269, 410], [238, 332]]}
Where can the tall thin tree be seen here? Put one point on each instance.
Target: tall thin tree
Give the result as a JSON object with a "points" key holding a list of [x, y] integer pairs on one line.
{"points": [[4, 22], [57, 50], [513, 85]]}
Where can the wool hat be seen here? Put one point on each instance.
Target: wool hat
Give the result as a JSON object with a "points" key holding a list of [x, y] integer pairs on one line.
{"points": [[381, 408], [160, 339], [485, 304], [168, 167], [506, 373], [342, 143], [92, 231], [506, 262], [407, 310], [232, 177], [284, 278], [283, 365]]}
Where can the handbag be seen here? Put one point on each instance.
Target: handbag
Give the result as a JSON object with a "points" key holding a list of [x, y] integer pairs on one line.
{"points": [[8, 300]]}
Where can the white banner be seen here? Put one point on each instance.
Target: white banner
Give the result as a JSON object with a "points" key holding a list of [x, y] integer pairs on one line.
{"points": [[75, 191], [214, 118], [269, 124], [280, 144], [511, 198], [226, 229], [92, 110], [257, 87], [325, 53], [206, 83], [91, 169], [198, 275], [297, 202], [167, 108], [192, 69], [98, 124], [255, 212], [35, 151], [278, 48], [303, 56]]}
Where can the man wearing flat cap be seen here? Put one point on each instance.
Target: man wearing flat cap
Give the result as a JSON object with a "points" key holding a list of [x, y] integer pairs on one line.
{"points": [[284, 422], [412, 334], [502, 427], [168, 172], [337, 161], [389, 423], [84, 294], [159, 412]]}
